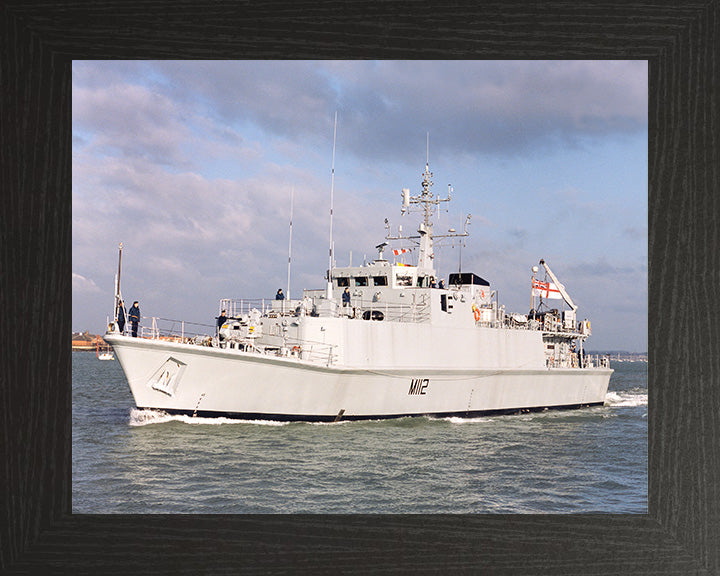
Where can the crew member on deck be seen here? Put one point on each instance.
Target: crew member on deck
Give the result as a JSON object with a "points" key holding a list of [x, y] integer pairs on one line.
{"points": [[134, 315], [121, 316], [346, 297], [279, 295], [441, 284], [221, 320]]}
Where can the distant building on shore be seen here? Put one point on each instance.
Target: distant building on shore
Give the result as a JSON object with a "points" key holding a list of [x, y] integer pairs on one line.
{"points": [[87, 341]]}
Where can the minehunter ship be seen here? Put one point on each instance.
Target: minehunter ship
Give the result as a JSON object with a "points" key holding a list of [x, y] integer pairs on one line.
{"points": [[396, 344]]}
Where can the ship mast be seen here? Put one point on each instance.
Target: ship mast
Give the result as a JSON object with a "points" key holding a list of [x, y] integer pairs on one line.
{"points": [[117, 282], [428, 201]]}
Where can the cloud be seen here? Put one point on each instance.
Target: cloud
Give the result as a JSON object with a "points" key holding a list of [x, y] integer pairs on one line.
{"points": [[635, 233], [131, 120], [287, 98], [183, 229], [505, 107], [601, 268], [489, 107], [82, 285]]}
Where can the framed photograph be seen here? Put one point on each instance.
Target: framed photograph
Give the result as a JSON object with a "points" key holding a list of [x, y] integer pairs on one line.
{"points": [[43, 151]]}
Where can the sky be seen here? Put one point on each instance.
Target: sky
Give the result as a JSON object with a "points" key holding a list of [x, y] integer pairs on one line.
{"points": [[192, 165]]}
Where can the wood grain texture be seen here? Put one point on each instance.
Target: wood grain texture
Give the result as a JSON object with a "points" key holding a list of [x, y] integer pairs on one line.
{"points": [[38, 533]]}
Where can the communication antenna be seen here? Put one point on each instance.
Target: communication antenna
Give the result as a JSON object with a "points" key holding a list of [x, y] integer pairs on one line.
{"points": [[332, 190], [292, 196]]}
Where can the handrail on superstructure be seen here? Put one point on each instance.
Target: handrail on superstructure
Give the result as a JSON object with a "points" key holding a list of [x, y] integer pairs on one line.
{"points": [[413, 312]]}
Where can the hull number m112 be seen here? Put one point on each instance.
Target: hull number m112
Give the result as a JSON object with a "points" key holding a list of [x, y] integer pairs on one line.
{"points": [[418, 385]]}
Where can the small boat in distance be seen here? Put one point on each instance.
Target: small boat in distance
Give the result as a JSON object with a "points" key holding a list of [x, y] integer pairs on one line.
{"points": [[382, 340], [103, 352]]}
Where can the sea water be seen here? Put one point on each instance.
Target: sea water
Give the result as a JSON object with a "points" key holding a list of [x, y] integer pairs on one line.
{"points": [[133, 461]]}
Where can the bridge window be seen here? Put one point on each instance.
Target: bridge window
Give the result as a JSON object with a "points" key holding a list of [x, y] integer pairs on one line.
{"points": [[341, 282], [361, 281], [401, 280], [380, 280]]}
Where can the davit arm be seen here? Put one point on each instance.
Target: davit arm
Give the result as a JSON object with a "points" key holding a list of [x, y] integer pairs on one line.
{"points": [[560, 287]]}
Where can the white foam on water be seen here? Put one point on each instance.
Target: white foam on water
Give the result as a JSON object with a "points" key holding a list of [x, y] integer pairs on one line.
{"points": [[461, 420], [338, 423], [626, 399], [145, 417]]}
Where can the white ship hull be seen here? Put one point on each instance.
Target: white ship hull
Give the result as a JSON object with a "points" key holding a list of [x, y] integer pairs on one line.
{"points": [[203, 381]]}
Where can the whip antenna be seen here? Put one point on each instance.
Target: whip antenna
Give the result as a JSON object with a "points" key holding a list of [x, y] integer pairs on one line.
{"points": [[292, 196], [332, 190]]}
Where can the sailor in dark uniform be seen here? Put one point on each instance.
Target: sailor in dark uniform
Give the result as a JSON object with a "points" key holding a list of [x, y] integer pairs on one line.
{"points": [[121, 316], [134, 315], [221, 319]]}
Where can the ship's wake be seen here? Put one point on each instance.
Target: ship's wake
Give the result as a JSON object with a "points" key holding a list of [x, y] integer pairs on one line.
{"points": [[629, 399], [464, 420], [146, 417]]}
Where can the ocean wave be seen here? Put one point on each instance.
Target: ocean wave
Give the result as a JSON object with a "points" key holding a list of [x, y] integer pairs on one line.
{"points": [[626, 399]]}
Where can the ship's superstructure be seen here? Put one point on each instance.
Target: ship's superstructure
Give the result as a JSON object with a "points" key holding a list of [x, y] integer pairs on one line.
{"points": [[383, 339]]}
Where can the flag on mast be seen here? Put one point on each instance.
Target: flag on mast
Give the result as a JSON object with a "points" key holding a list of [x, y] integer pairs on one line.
{"points": [[399, 251], [546, 290]]}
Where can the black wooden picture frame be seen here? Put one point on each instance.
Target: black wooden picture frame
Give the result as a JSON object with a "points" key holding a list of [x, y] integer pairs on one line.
{"points": [[38, 532]]}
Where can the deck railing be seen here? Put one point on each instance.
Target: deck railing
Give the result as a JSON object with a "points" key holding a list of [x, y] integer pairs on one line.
{"points": [[573, 361], [168, 330], [412, 312]]}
